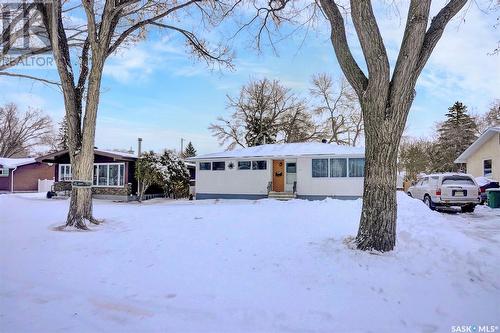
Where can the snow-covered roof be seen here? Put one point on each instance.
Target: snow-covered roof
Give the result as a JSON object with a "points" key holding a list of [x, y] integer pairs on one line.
{"points": [[109, 153], [285, 149], [114, 152], [477, 144], [12, 163]]}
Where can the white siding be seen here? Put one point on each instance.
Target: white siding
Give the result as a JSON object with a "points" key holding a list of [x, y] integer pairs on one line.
{"points": [[307, 185], [233, 181]]}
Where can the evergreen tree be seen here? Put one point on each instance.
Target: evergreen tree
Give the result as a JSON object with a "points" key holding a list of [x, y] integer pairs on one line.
{"points": [[175, 175], [166, 171], [456, 133], [190, 151], [147, 171]]}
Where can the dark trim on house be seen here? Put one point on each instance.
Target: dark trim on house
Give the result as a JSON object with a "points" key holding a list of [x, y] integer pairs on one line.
{"points": [[125, 192], [53, 157]]}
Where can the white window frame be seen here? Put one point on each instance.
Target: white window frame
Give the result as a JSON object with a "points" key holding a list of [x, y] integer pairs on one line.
{"points": [[491, 168], [346, 159], [246, 161], [120, 176], [60, 173], [218, 162], [209, 163], [349, 167], [254, 165], [2, 172], [329, 158]]}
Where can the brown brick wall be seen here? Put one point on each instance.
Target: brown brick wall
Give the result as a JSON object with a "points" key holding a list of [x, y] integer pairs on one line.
{"points": [[26, 176], [5, 183]]}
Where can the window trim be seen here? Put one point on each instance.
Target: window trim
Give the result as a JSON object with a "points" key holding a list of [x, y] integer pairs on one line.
{"points": [[3, 174], [246, 161], [329, 158], [327, 167], [120, 175], [491, 167], [223, 162], [255, 163], [107, 178], [70, 172], [349, 167], [346, 159], [209, 165]]}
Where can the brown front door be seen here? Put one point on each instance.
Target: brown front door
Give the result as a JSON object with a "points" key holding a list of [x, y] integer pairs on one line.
{"points": [[278, 175]]}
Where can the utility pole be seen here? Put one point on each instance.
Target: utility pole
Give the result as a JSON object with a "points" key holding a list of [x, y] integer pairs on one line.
{"points": [[182, 145], [139, 152]]}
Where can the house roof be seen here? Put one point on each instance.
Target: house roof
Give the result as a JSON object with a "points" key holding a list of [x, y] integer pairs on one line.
{"points": [[477, 144], [285, 149], [13, 163], [102, 152]]}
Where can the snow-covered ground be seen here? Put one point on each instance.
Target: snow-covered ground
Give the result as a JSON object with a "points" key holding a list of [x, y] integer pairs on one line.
{"points": [[243, 266]]}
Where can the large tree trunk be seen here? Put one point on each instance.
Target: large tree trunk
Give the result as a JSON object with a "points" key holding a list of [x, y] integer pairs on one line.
{"points": [[80, 208], [377, 229]]}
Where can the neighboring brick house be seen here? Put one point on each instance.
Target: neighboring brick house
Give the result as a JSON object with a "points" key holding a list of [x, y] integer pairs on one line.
{"points": [[113, 176], [22, 174]]}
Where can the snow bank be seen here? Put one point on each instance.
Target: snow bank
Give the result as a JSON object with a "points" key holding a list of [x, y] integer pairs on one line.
{"points": [[244, 266]]}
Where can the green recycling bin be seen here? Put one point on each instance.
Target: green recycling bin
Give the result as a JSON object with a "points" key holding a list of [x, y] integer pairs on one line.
{"points": [[493, 195]]}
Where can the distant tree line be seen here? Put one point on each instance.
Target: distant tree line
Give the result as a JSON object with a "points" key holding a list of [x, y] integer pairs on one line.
{"points": [[267, 111], [453, 136]]}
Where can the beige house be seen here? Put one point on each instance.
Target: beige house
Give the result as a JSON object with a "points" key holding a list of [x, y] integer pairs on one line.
{"points": [[483, 156]]}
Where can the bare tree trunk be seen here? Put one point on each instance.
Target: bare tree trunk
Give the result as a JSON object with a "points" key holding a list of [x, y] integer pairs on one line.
{"points": [[377, 229], [80, 208]]}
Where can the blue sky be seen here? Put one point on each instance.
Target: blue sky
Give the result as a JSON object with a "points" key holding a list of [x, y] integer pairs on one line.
{"points": [[156, 91]]}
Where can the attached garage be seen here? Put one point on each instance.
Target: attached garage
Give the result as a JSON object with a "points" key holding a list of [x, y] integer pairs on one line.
{"points": [[23, 174]]}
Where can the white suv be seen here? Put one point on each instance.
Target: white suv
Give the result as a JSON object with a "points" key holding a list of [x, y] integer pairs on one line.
{"points": [[447, 189]]}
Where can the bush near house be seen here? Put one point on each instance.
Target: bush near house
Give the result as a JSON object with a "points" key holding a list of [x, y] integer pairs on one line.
{"points": [[166, 171]]}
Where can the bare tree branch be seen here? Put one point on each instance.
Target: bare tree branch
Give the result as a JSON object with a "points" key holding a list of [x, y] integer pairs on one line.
{"points": [[372, 44], [436, 30], [24, 76], [349, 66], [19, 133]]}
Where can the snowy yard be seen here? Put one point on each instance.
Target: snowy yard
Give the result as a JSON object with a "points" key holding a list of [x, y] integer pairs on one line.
{"points": [[243, 266]]}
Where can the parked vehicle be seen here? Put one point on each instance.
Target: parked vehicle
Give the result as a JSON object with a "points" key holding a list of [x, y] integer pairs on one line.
{"points": [[484, 184], [446, 190]]}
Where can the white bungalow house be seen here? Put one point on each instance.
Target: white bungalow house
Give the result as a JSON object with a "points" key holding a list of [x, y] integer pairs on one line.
{"points": [[302, 170]]}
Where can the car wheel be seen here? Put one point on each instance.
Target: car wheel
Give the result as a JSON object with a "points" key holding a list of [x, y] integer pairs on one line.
{"points": [[428, 202], [468, 208]]}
